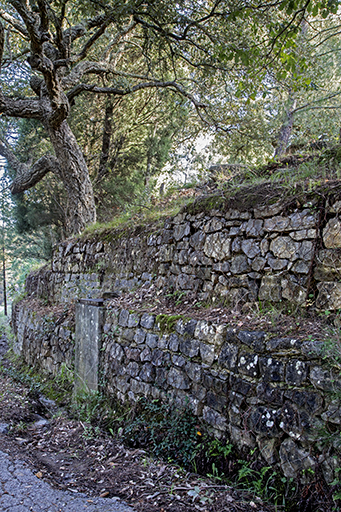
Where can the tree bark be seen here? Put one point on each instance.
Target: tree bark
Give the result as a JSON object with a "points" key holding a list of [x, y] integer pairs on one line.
{"points": [[285, 131], [73, 171], [107, 133]]}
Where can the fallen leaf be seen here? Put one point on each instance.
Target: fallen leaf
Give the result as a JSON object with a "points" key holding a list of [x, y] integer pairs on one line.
{"points": [[104, 494], [39, 474]]}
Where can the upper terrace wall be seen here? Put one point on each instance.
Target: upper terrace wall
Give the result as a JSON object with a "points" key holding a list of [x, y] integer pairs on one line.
{"points": [[271, 253]]}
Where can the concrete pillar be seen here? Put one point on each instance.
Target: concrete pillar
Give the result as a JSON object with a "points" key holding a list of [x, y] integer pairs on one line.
{"points": [[89, 323]]}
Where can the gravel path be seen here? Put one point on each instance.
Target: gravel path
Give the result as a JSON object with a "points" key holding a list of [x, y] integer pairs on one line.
{"points": [[22, 491]]}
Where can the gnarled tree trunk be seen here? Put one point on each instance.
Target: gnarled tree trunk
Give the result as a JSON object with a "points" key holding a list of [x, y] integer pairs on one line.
{"points": [[73, 172]]}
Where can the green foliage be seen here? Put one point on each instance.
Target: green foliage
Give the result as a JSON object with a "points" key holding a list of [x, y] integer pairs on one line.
{"points": [[167, 322], [167, 431]]}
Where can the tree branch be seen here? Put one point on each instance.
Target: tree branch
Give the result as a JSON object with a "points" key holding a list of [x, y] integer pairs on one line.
{"points": [[2, 42], [27, 176], [29, 108], [14, 23], [78, 89]]}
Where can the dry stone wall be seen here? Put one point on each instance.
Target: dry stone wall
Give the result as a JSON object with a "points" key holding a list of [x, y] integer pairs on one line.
{"points": [[266, 254], [275, 393]]}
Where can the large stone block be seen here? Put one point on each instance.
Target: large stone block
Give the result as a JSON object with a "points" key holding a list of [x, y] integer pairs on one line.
{"points": [[332, 234], [270, 289], [329, 296], [295, 461], [217, 246], [284, 247]]}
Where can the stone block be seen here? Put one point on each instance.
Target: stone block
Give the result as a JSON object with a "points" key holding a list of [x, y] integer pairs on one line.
{"points": [[152, 340], [173, 342], [140, 336], [263, 420], [248, 364], [205, 331], [194, 371], [178, 360], [165, 253], [293, 422], [278, 223], [329, 296], [308, 400], [116, 352], [189, 348], [240, 385], [163, 342], [333, 413], [277, 264], [178, 379], [293, 291], [301, 267], [161, 378], [123, 318], [270, 289], [158, 357], [197, 241], [267, 449], [145, 355], [181, 230], [254, 228], [294, 460], [139, 387], [186, 327], [214, 224], [216, 402], [269, 393], [132, 353], [228, 356], [133, 369], [279, 344], [332, 234], [133, 320], [214, 418], [258, 264], [253, 339], [296, 372], [128, 334], [147, 321], [207, 353], [324, 379], [185, 281], [147, 373], [240, 264], [271, 370], [303, 220], [217, 246], [283, 247], [198, 391], [251, 248]]}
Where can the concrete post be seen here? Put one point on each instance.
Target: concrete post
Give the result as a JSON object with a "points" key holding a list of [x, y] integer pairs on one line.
{"points": [[89, 323]]}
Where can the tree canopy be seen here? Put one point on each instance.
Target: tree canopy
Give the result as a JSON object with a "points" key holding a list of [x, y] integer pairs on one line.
{"points": [[204, 55]]}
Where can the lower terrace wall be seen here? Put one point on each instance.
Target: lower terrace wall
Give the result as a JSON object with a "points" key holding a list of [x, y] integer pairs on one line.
{"points": [[274, 393]]}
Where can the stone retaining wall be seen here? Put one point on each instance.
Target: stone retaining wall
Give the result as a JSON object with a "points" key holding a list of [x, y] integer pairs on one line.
{"points": [[259, 391], [269, 254], [273, 393]]}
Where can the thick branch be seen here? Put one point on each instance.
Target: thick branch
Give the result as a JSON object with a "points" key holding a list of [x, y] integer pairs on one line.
{"points": [[14, 23], [26, 108], [27, 176]]}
